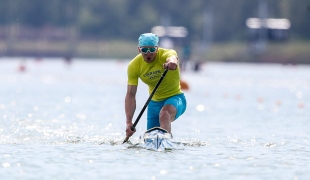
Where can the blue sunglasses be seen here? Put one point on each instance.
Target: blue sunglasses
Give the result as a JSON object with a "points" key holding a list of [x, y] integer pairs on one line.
{"points": [[148, 49]]}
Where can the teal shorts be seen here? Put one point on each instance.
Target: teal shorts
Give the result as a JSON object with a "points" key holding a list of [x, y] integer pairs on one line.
{"points": [[154, 107]]}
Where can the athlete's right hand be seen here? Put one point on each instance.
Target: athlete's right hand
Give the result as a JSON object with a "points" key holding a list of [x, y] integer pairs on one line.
{"points": [[129, 131]]}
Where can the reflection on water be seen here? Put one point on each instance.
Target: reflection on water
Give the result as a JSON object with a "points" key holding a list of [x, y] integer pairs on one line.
{"points": [[67, 122]]}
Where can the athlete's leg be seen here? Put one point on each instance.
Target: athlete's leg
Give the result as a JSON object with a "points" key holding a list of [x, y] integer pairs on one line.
{"points": [[172, 109], [166, 116]]}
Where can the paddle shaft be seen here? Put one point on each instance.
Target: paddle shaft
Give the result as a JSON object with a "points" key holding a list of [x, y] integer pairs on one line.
{"points": [[146, 104]]}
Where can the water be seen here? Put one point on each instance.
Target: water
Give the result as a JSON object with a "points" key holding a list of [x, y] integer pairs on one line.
{"points": [[243, 121]]}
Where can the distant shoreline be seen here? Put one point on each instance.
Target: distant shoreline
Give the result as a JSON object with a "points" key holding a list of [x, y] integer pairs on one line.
{"points": [[290, 52]]}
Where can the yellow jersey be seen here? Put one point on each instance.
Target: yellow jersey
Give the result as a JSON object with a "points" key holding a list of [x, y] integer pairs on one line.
{"points": [[150, 74]]}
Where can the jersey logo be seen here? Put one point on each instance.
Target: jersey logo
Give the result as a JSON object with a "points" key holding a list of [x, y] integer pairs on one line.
{"points": [[152, 74]]}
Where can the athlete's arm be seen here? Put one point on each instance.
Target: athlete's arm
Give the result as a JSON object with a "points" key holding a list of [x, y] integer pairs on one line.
{"points": [[130, 107], [171, 63]]}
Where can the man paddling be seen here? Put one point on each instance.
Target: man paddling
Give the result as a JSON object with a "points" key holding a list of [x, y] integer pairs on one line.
{"points": [[168, 102]]}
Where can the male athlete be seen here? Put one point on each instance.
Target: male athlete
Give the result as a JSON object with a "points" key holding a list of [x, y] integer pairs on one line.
{"points": [[169, 102]]}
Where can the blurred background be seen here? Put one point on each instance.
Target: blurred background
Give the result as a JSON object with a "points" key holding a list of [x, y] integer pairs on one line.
{"points": [[201, 30]]}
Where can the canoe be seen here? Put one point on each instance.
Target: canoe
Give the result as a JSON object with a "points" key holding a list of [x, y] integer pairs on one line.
{"points": [[158, 139]]}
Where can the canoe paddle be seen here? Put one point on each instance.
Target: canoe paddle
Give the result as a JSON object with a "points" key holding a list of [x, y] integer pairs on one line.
{"points": [[147, 102]]}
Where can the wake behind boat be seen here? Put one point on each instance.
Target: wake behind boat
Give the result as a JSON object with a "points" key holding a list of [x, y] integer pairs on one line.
{"points": [[158, 139]]}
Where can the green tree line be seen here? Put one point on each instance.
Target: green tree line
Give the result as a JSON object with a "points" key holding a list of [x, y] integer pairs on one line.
{"points": [[126, 19]]}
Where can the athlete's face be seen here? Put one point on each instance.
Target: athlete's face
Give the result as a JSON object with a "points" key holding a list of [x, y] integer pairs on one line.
{"points": [[148, 53]]}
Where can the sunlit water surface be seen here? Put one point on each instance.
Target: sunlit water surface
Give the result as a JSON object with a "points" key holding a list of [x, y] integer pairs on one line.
{"points": [[67, 121]]}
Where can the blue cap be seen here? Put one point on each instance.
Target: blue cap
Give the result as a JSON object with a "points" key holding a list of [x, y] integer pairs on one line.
{"points": [[148, 39]]}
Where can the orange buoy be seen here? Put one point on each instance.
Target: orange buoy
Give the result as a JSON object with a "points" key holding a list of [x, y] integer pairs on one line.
{"points": [[278, 102], [260, 100], [22, 67], [238, 97], [301, 105], [184, 85]]}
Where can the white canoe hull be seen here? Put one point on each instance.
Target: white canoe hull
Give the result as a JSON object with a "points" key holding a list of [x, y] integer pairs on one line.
{"points": [[157, 139]]}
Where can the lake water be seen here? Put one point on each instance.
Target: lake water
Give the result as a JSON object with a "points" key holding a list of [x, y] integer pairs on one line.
{"points": [[243, 121]]}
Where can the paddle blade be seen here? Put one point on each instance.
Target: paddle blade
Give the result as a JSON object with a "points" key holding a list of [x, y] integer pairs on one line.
{"points": [[184, 85]]}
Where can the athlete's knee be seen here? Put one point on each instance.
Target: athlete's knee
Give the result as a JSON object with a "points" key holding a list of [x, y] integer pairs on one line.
{"points": [[164, 114], [167, 112]]}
